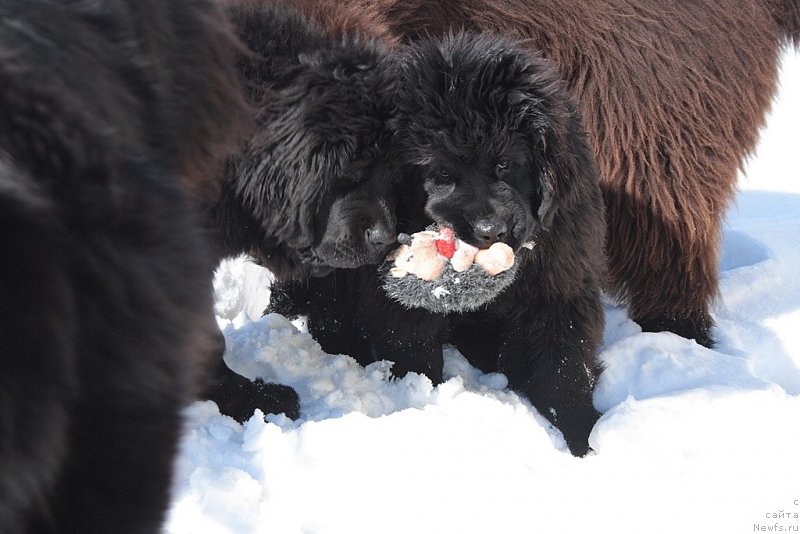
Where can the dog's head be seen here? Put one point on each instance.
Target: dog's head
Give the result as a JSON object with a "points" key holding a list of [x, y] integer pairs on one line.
{"points": [[356, 222], [492, 134], [323, 104]]}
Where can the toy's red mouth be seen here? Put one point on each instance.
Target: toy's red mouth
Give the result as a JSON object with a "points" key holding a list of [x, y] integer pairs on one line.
{"points": [[427, 254], [446, 242]]}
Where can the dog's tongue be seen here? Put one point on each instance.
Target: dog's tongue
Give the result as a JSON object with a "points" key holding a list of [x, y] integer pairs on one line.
{"points": [[446, 242]]}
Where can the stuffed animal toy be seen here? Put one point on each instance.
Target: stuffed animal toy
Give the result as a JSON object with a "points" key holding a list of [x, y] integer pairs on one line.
{"points": [[435, 270]]}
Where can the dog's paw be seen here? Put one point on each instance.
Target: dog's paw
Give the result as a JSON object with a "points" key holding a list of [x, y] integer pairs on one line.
{"points": [[238, 397]]}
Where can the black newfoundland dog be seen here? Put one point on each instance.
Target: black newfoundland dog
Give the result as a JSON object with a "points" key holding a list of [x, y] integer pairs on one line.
{"points": [[673, 96], [323, 95], [312, 191], [491, 146], [116, 118], [115, 114]]}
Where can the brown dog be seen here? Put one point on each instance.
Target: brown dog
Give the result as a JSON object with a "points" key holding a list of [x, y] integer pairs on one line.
{"points": [[673, 95]]}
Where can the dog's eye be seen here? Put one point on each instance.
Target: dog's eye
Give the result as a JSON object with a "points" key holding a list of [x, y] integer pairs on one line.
{"points": [[442, 176], [502, 166]]}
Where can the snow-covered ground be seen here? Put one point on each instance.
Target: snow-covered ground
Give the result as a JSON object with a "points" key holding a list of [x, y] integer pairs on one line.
{"points": [[691, 440]]}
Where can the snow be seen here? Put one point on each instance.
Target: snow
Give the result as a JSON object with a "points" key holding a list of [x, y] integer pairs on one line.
{"points": [[691, 439]]}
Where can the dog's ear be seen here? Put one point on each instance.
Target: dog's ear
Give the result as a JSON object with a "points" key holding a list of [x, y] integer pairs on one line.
{"points": [[545, 210], [289, 165], [562, 159]]}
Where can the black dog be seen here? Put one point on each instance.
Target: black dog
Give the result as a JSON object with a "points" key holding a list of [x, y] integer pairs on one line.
{"points": [[491, 134], [112, 113], [323, 98], [671, 109], [295, 199]]}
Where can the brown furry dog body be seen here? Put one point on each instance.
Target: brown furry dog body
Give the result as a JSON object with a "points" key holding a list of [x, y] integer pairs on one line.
{"points": [[672, 95]]}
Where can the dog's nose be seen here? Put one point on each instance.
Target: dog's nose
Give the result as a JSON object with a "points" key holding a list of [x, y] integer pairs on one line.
{"points": [[490, 231], [380, 237]]}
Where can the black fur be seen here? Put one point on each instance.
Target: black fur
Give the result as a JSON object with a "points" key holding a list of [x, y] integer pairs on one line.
{"points": [[323, 100], [238, 397], [111, 113], [294, 200], [491, 134]]}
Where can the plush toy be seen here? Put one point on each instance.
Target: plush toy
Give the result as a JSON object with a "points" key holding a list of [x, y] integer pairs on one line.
{"points": [[435, 270]]}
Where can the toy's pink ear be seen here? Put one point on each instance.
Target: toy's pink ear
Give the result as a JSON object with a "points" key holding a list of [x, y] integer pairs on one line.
{"points": [[420, 258], [496, 259], [463, 257]]}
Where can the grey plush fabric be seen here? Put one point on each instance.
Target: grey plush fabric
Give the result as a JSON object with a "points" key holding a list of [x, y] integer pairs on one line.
{"points": [[452, 292]]}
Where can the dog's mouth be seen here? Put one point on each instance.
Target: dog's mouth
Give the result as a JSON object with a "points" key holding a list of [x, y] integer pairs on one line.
{"points": [[314, 263], [465, 233], [320, 264]]}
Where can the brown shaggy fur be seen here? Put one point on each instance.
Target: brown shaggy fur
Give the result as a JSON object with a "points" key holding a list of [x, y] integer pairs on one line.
{"points": [[342, 20], [673, 94]]}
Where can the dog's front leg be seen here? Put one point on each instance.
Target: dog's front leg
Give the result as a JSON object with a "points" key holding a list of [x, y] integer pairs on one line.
{"points": [[412, 339], [548, 355]]}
